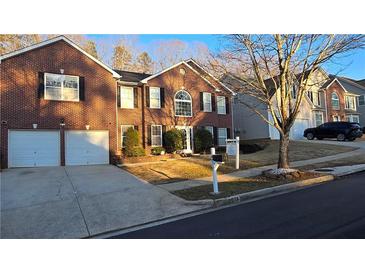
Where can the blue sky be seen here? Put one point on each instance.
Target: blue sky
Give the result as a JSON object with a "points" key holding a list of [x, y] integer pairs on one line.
{"points": [[352, 65]]}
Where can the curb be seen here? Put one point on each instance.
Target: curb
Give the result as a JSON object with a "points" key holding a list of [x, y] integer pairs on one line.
{"points": [[267, 191]]}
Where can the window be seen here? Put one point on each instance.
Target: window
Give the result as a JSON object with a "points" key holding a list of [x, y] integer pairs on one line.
{"points": [[183, 105], [315, 97], [221, 104], [155, 97], [126, 97], [207, 102], [61, 87], [124, 132], [353, 118], [294, 92], [362, 100], [222, 136], [335, 101], [318, 115], [156, 135], [350, 102]]}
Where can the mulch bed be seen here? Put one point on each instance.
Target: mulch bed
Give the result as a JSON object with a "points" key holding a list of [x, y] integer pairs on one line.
{"points": [[149, 158]]}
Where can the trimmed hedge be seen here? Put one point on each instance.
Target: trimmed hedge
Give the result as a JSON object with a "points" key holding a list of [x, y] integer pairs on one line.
{"points": [[173, 140], [131, 144], [203, 140]]}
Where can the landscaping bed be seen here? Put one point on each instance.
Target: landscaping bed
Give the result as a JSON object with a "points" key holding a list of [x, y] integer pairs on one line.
{"points": [[242, 185], [148, 158]]}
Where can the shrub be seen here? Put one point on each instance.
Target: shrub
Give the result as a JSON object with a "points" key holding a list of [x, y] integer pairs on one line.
{"points": [[173, 140], [131, 144], [157, 150], [203, 140]]}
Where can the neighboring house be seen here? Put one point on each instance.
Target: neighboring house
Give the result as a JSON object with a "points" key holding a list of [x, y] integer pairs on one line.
{"points": [[249, 125], [361, 102], [329, 98], [343, 99], [61, 106]]}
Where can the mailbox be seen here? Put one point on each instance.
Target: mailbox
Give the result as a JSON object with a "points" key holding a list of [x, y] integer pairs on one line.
{"points": [[217, 158]]}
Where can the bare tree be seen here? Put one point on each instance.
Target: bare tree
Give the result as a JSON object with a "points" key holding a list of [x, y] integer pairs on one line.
{"points": [[122, 58], [90, 47], [273, 66], [144, 63], [11, 42]]}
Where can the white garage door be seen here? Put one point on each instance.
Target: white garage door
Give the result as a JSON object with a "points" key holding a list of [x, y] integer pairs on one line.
{"points": [[30, 148], [87, 147], [298, 128]]}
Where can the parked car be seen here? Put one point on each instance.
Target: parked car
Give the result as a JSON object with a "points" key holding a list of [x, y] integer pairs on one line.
{"points": [[340, 130]]}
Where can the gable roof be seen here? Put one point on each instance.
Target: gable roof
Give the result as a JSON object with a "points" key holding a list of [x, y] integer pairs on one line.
{"points": [[200, 73], [361, 82], [349, 85], [54, 40], [130, 76]]}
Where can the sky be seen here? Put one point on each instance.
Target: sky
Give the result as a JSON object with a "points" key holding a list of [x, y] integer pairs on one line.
{"points": [[352, 65]]}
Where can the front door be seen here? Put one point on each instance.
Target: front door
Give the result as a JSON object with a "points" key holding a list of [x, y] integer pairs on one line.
{"points": [[187, 132]]}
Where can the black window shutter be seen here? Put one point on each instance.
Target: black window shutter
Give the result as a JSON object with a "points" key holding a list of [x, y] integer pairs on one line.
{"points": [[215, 135], [163, 133], [135, 94], [40, 84], [148, 97], [213, 102], [162, 96], [149, 135], [82, 88], [227, 105], [136, 128], [228, 133], [202, 101], [118, 96]]}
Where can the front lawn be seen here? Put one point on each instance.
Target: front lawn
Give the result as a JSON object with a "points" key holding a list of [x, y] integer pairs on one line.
{"points": [[199, 166], [236, 187], [348, 161]]}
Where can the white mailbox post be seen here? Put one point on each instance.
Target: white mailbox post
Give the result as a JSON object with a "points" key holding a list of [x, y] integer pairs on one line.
{"points": [[233, 149], [216, 161]]}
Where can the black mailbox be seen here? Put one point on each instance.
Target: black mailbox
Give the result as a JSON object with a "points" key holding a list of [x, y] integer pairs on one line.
{"points": [[217, 157]]}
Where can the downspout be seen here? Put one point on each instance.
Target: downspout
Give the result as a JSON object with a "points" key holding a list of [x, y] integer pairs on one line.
{"points": [[117, 116]]}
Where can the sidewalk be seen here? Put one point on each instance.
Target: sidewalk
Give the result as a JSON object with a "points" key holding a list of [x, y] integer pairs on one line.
{"points": [[254, 171]]}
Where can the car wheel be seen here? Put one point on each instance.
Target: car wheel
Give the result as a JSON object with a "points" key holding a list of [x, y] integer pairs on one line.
{"points": [[341, 137], [310, 136]]}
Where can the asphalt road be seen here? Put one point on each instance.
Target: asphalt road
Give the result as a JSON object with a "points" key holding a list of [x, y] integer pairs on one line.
{"points": [[332, 210]]}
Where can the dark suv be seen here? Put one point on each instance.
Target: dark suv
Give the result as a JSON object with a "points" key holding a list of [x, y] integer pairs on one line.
{"points": [[339, 130]]}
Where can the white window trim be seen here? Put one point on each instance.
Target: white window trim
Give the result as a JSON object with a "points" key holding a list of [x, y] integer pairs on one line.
{"points": [[353, 101], [61, 88], [219, 100], [159, 97], [156, 135], [121, 133], [121, 102], [191, 104], [315, 119], [220, 137], [351, 116], [338, 100], [317, 95], [339, 118], [210, 102]]}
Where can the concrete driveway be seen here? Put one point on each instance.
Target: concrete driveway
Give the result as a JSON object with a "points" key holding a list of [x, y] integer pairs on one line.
{"points": [[80, 201]]}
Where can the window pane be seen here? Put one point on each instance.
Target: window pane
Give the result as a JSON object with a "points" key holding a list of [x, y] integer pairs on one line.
{"points": [[207, 101], [53, 93], [155, 98], [156, 135], [222, 136], [71, 82], [53, 80], [362, 100], [221, 104], [126, 97], [183, 104]]}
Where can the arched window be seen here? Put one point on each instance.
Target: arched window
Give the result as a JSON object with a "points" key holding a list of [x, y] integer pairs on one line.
{"points": [[335, 101], [183, 106]]}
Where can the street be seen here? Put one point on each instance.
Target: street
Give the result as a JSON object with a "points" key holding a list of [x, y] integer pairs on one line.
{"points": [[331, 210]]}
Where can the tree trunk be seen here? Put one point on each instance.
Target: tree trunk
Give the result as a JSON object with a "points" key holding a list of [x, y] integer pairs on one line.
{"points": [[284, 151]]}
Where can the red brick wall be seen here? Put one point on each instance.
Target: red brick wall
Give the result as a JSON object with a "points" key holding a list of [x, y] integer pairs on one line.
{"points": [[172, 81], [21, 107], [335, 87]]}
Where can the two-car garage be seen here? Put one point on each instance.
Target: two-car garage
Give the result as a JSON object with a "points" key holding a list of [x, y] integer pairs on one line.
{"points": [[34, 148]]}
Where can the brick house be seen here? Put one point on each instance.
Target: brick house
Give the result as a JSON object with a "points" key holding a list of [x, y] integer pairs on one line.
{"points": [[61, 106], [342, 97]]}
